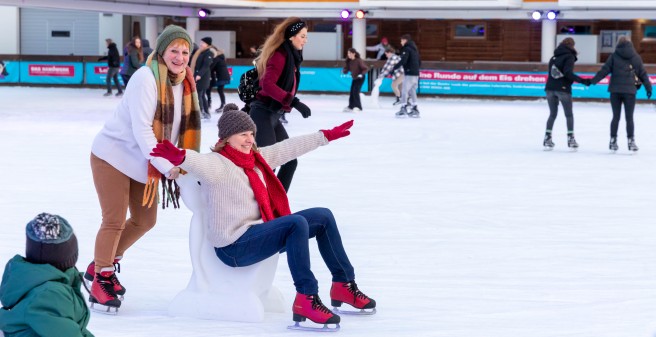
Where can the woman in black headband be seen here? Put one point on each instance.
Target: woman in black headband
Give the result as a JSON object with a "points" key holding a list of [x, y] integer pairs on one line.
{"points": [[279, 74]]}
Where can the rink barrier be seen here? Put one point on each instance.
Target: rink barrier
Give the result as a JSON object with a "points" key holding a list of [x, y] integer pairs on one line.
{"points": [[492, 79]]}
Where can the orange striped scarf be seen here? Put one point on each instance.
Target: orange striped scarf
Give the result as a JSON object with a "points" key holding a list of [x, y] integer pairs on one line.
{"points": [[189, 137]]}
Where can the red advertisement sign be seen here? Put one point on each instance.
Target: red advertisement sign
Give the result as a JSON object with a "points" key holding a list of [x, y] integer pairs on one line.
{"points": [[51, 70], [100, 70]]}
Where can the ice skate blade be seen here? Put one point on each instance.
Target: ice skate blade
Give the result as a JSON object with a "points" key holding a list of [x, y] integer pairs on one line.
{"points": [[548, 148], [361, 312], [104, 309], [573, 149], [325, 328]]}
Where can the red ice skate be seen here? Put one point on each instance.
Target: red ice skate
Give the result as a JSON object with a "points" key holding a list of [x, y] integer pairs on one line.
{"points": [[310, 307], [118, 288], [103, 293], [348, 292]]}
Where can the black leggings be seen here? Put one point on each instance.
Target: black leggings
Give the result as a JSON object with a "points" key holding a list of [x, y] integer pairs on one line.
{"points": [[565, 98], [269, 132], [219, 89], [202, 99], [616, 101], [354, 96]]}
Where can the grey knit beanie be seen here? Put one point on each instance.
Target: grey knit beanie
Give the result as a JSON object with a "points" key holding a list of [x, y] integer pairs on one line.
{"points": [[170, 33], [50, 239], [234, 121]]}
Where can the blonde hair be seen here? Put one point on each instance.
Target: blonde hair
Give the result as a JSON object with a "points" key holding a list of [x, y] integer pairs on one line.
{"points": [[272, 43]]}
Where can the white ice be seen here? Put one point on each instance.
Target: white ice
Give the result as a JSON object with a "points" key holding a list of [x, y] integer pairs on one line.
{"points": [[458, 223]]}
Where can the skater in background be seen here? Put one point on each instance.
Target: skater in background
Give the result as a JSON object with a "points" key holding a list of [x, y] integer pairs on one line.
{"points": [[161, 103], [201, 64], [279, 72], [397, 74], [247, 207], [3, 70], [559, 90], [410, 62], [133, 60], [356, 66], [40, 293], [221, 76], [380, 49], [113, 66], [627, 73], [146, 48]]}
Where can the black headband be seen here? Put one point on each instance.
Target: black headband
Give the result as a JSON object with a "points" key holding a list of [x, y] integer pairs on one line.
{"points": [[293, 29]]}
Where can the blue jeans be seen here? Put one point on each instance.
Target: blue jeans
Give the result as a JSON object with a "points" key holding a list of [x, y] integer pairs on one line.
{"points": [[291, 233]]}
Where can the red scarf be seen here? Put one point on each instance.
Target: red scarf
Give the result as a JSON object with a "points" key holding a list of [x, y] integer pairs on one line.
{"points": [[271, 198]]}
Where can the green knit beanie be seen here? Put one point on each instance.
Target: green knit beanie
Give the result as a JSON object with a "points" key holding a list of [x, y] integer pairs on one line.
{"points": [[170, 33]]}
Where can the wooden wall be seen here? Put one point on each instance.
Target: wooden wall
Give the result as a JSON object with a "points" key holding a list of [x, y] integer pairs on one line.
{"points": [[505, 41]]}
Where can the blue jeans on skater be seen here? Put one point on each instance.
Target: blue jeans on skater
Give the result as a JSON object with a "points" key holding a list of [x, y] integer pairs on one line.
{"points": [[291, 233]]}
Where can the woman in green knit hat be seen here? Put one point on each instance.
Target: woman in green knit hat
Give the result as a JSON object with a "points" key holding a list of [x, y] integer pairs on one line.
{"points": [[159, 104]]}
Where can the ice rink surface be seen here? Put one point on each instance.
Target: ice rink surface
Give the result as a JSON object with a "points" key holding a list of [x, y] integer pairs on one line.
{"points": [[458, 223]]}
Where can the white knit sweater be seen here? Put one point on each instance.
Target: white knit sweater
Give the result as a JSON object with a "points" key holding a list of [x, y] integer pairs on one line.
{"points": [[127, 138], [227, 194]]}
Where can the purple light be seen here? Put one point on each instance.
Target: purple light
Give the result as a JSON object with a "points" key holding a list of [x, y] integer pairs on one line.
{"points": [[345, 14], [202, 13]]}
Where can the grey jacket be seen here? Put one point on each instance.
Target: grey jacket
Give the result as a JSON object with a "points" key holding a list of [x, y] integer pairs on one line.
{"points": [[620, 64]]}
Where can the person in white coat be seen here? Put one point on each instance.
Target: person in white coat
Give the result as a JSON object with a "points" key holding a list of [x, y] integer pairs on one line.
{"points": [[160, 103]]}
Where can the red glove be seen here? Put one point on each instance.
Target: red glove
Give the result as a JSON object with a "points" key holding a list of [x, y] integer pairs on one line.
{"points": [[168, 151], [338, 131]]}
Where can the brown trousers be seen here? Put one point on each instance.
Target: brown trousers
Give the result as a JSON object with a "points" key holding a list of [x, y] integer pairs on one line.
{"points": [[117, 193], [396, 85]]}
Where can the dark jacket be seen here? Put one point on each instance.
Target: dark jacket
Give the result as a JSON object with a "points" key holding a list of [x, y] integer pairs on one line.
{"points": [[409, 59], [564, 58], [202, 69], [356, 66], [113, 57], [44, 301], [132, 62], [220, 73], [620, 64], [145, 46], [279, 84]]}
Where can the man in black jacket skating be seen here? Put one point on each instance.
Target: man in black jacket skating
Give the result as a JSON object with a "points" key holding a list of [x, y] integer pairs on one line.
{"points": [[114, 64], [410, 62]]}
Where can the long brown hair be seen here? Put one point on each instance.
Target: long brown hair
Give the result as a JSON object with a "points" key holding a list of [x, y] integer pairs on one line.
{"points": [[272, 43], [133, 46]]}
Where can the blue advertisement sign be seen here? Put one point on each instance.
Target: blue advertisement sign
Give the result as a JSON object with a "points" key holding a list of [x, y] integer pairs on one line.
{"points": [[9, 71], [51, 72], [96, 73], [312, 79], [495, 83]]}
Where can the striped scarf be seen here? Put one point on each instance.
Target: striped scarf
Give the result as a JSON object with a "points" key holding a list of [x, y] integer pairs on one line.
{"points": [[189, 137]]}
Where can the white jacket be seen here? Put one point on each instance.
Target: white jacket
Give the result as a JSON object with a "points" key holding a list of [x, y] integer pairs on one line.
{"points": [[127, 138]]}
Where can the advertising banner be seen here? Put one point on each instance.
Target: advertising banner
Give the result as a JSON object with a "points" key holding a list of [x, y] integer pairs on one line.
{"points": [[312, 79], [9, 71], [96, 73], [496, 83], [51, 72]]}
